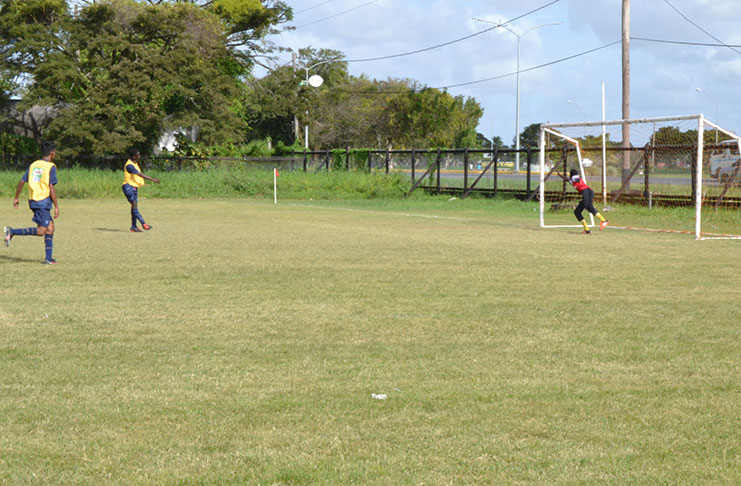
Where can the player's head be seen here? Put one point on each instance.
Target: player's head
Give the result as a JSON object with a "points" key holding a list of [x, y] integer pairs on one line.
{"points": [[48, 148], [574, 175], [133, 153]]}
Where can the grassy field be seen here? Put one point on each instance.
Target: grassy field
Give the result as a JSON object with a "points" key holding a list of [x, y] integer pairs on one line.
{"points": [[240, 343]]}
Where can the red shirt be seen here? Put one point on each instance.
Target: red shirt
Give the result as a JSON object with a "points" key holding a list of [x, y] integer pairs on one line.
{"points": [[580, 185]]}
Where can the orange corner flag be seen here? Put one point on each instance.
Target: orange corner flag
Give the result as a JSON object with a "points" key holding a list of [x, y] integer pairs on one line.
{"points": [[276, 173]]}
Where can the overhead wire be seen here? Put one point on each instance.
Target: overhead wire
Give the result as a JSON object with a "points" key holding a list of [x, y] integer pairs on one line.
{"points": [[455, 41], [685, 43], [312, 8], [703, 30], [336, 15], [493, 78]]}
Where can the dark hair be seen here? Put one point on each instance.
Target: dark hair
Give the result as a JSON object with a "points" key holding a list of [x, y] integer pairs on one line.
{"points": [[133, 152], [573, 173], [47, 147]]}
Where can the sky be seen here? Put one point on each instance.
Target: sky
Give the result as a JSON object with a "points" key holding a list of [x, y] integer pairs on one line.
{"points": [[664, 75]]}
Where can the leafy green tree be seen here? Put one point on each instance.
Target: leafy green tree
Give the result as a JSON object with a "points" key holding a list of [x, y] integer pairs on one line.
{"points": [[128, 71], [123, 71], [29, 31], [530, 136], [432, 118]]}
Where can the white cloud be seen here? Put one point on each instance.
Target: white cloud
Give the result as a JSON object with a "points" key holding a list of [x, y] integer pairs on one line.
{"points": [[664, 76]]}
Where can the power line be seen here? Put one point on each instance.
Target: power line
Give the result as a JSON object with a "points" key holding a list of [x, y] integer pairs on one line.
{"points": [[685, 43], [456, 40], [540, 66], [312, 8], [337, 15], [501, 76], [705, 31]]}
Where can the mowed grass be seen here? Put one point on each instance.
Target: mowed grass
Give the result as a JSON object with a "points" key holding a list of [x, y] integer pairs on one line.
{"points": [[239, 343]]}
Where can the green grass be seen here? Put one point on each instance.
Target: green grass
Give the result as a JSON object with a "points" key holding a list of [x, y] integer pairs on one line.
{"points": [[224, 182], [239, 342]]}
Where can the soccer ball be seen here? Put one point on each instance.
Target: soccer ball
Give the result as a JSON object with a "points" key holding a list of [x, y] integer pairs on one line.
{"points": [[587, 163]]}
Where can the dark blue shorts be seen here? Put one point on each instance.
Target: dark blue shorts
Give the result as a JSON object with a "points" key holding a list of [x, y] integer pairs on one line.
{"points": [[130, 192], [42, 217]]}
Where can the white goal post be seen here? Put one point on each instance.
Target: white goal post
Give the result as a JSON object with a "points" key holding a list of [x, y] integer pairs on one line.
{"points": [[685, 167]]}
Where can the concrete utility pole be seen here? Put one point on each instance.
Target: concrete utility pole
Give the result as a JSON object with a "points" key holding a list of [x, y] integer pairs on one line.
{"points": [[626, 88]]}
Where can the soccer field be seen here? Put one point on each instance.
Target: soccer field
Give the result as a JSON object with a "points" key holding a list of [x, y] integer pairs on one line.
{"points": [[240, 343]]}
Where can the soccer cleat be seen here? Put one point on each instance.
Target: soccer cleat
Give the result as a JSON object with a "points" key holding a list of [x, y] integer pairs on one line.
{"points": [[146, 226], [586, 232], [7, 235], [134, 229], [603, 225], [50, 262]]}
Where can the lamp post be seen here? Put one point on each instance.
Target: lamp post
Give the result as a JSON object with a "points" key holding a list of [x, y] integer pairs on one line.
{"points": [[314, 81], [716, 111], [584, 115], [517, 102]]}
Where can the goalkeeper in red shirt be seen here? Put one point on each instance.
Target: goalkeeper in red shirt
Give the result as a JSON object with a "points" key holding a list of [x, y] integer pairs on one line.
{"points": [[587, 201]]}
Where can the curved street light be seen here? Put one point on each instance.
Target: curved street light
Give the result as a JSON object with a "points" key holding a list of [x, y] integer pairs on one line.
{"points": [[584, 115], [314, 81], [716, 111], [517, 103]]}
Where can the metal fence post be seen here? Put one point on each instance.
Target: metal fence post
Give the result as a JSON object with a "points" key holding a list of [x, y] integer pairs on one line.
{"points": [[465, 170], [437, 166], [495, 168], [305, 161], [388, 159], [413, 163], [529, 165]]}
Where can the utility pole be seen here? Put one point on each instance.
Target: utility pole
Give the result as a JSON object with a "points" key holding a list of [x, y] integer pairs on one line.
{"points": [[626, 89]]}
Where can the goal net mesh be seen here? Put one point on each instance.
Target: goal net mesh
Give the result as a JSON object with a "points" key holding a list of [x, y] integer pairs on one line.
{"points": [[676, 175]]}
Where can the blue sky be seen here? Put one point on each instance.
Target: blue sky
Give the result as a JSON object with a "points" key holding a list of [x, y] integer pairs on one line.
{"points": [[664, 75]]}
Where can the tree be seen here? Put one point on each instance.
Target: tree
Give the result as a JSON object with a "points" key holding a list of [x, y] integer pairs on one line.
{"points": [[432, 118], [29, 30], [530, 136], [122, 71]]}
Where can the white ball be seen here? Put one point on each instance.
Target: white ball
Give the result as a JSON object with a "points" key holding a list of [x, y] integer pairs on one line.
{"points": [[586, 163]]}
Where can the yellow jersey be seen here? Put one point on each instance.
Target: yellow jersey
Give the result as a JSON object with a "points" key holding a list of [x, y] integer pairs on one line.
{"points": [[41, 174], [134, 180]]}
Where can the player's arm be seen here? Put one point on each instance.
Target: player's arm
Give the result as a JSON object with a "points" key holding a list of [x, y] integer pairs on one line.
{"points": [[53, 196], [132, 170], [18, 189], [156, 181]]}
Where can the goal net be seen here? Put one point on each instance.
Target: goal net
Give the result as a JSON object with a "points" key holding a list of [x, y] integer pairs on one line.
{"points": [[676, 174]]}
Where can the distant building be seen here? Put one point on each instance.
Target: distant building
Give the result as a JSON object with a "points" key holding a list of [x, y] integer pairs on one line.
{"points": [[30, 123]]}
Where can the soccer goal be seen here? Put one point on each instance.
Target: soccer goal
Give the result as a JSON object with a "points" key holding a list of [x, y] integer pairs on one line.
{"points": [[676, 174]]}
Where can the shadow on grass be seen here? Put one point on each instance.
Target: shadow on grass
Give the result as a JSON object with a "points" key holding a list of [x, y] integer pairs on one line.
{"points": [[12, 259], [112, 230]]}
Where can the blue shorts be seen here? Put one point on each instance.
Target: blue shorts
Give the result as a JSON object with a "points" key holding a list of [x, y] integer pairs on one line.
{"points": [[130, 192], [42, 217]]}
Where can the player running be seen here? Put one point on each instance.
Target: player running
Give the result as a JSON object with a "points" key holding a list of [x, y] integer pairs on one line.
{"points": [[133, 180], [41, 177], [587, 199]]}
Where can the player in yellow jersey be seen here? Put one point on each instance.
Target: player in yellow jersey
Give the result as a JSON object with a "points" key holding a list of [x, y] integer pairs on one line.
{"points": [[133, 180], [41, 177]]}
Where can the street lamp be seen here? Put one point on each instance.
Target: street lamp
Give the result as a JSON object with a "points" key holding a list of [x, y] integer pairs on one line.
{"points": [[517, 103], [584, 115], [579, 107], [314, 81], [716, 111]]}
